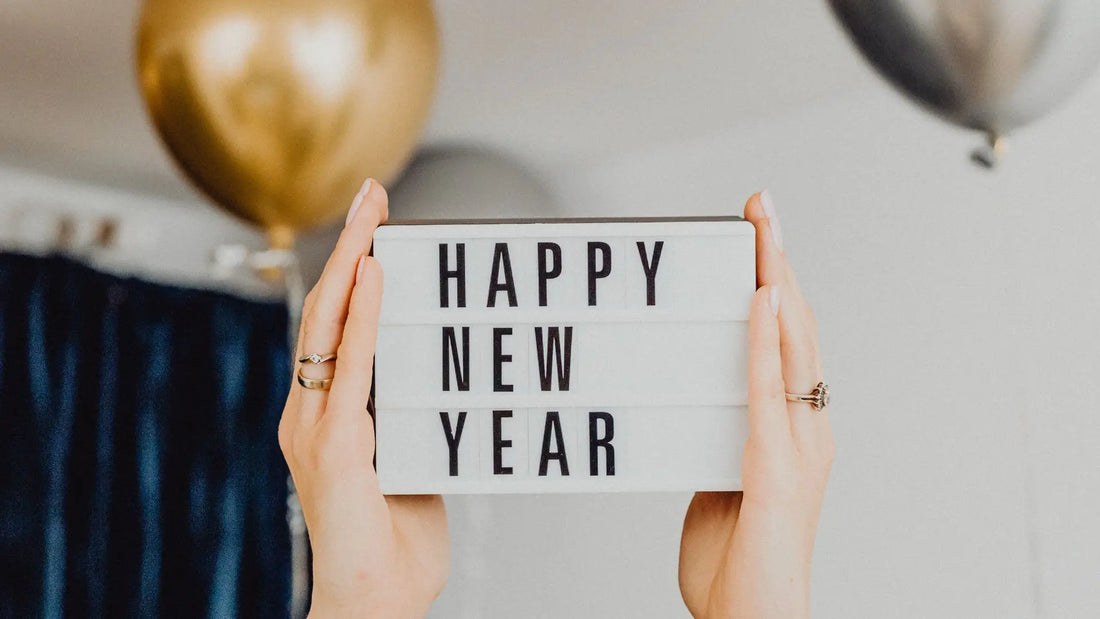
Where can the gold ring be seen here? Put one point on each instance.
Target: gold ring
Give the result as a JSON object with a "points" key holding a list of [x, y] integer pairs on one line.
{"points": [[319, 384], [316, 359], [818, 398]]}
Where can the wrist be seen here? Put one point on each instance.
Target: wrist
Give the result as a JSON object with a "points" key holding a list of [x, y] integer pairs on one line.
{"points": [[325, 607]]}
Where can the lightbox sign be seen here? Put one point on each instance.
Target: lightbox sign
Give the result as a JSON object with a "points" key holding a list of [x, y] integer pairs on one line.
{"points": [[564, 356]]}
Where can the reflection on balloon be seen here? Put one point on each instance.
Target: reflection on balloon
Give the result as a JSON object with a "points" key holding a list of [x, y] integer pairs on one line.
{"points": [[990, 65], [279, 110]]}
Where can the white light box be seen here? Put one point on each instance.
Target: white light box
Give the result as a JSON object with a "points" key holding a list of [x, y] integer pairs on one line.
{"points": [[563, 356]]}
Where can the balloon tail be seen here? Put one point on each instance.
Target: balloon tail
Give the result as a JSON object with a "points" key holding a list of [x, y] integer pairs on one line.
{"points": [[301, 573], [281, 240], [280, 262], [990, 155]]}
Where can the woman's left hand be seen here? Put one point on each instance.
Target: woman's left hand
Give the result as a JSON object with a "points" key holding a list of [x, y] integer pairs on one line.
{"points": [[747, 554], [373, 556]]}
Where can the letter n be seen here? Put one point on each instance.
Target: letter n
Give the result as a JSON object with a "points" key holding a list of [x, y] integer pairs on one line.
{"points": [[451, 355]]}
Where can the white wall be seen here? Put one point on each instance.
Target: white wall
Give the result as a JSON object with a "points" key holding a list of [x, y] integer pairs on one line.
{"points": [[960, 322]]}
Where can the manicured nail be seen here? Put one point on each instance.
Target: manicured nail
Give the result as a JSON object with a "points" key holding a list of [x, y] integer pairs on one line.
{"points": [[359, 269], [768, 202], [357, 201], [773, 300]]}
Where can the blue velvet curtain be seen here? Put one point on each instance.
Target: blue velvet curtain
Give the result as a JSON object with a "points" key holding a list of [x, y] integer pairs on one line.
{"points": [[140, 474]]}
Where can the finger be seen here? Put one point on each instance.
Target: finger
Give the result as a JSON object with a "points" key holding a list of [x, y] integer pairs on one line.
{"points": [[801, 369], [771, 259], [769, 423], [797, 327], [288, 423], [771, 264], [355, 361], [323, 319], [292, 409], [328, 304]]}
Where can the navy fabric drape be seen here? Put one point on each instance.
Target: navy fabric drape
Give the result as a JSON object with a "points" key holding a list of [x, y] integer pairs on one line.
{"points": [[140, 473]]}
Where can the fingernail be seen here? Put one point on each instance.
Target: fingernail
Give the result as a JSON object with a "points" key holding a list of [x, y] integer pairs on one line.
{"points": [[359, 269], [773, 300], [768, 202], [358, 200]]}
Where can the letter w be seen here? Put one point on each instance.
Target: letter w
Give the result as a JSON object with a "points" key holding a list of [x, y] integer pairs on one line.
{"points": [[548, 350]]}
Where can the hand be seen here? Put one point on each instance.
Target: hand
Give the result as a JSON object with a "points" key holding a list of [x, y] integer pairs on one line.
{"points": [[372, 555], [747, 554]]}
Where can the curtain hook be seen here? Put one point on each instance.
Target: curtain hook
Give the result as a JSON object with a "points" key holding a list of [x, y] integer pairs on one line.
{"points": [[65, 233], [106, 233]]}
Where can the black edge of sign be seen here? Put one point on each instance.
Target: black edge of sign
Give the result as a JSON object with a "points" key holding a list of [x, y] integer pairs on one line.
{"points": [[565, 220]]}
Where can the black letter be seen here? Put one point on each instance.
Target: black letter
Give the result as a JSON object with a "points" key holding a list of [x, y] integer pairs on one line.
{"points": [[605, 442], [593, 272], [499, 358], [650, 270], [553, 423], [500, 256], [462, 368], [548, 273], [454, 435], [459, 275], [499, 444], [546, 354]]}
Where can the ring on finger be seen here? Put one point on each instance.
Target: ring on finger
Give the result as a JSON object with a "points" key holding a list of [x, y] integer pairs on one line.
{"points": [[818, 398], [318, 384], [317, 359]]}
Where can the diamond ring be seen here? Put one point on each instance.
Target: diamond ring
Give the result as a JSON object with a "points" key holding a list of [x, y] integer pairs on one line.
{"points": [[316, 359], [818, 398]]}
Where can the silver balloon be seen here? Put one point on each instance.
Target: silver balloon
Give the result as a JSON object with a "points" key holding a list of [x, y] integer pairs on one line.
{"points": [[990, 65], [468, 182], [451, 182]]}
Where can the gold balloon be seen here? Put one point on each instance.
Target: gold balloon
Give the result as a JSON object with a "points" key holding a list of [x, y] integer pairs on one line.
{"points": [[279, 109]]}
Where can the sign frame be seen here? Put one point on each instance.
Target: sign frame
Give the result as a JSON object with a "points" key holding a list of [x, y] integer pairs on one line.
{"points": [[718, 411]]}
